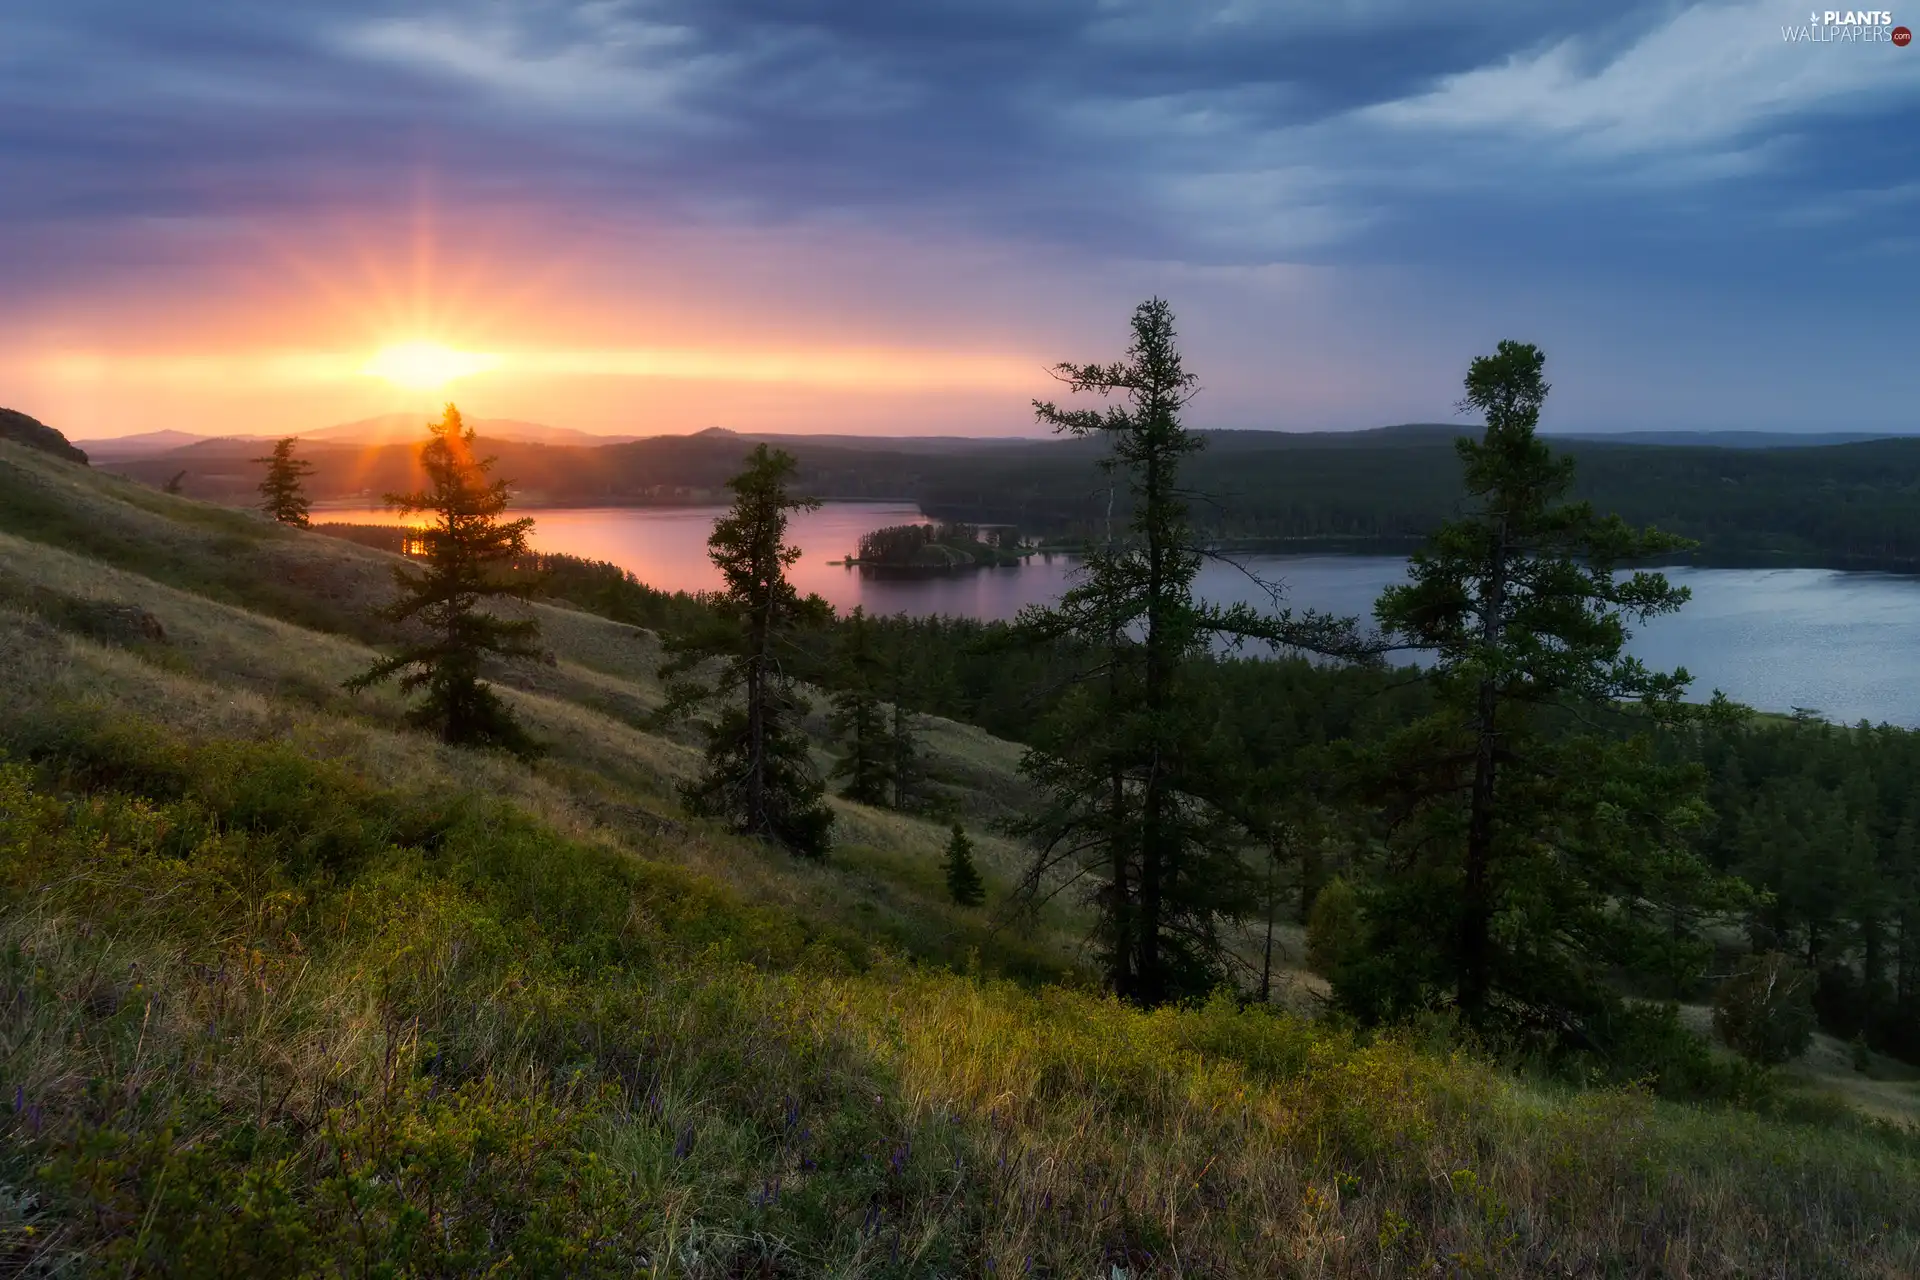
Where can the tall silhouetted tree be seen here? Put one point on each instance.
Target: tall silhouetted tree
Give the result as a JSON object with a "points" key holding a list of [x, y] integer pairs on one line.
{"points": [[1537, 838], [283, 492], [859, 720], [757, 772], [1126, 768], [467, 551]]}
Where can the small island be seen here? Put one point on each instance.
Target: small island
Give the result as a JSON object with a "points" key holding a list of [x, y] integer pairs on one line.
{"points": [[938, 548]]}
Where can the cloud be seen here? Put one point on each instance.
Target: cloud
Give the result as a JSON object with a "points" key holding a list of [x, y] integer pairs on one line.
{"points": [[1471, 160], [1709, 75], [609, 64], [1214, 129]]}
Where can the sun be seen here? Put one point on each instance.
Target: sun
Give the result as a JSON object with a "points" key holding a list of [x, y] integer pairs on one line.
{"points": [[424, 366]]}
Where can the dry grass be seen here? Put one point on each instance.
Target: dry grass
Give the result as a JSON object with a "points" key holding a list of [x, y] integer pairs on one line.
{"points": [[313, 978], [717, 1097]]}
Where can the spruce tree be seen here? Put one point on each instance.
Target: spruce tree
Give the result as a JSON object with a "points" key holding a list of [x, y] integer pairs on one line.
{"points": [[859, 721], [468, 550], [283, 490], [906, 767], [1537, 839], [758, 775], [1127, 770], [964, 885]]}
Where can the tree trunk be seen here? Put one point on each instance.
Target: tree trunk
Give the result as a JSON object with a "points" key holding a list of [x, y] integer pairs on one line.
{"points": [[1907, 965], [1266, 954], [757, 818], [1475, 910], [1154, 870], [1873, 966], [1120, 959], [1313, 874]]}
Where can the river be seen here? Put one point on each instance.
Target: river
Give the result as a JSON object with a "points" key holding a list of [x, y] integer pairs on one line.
{"points": [[1845, 645]]}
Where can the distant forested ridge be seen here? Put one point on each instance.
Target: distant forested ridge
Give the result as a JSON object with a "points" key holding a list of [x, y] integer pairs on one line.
{"points": [[1847, 505]]}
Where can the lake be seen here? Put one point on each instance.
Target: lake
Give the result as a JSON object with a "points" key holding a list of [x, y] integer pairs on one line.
{"points": [[1846, 645]]}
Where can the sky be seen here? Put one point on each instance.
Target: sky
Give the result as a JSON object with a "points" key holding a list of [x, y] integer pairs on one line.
{"points": [[892, 217]]}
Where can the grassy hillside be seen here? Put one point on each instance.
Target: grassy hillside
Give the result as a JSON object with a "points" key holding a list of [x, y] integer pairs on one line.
{"points": [[285, 989]]}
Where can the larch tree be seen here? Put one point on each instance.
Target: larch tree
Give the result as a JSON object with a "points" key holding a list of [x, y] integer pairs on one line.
{"points": [[757, 776], [283, 492], [860, 721], [1536, 835], [467, 552], [1126, 768]]}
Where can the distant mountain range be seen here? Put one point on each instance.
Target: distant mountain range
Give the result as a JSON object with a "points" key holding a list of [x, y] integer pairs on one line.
{"points": [[384, 429], [1733, 439], [404, 428]]}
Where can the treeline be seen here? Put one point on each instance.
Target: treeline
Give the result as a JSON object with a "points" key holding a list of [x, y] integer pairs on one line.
{"points": [[1824, 821], [1850, 505], [1838, 505]]}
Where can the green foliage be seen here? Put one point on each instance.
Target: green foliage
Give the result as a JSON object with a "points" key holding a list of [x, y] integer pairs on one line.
{"points": [[264, 1017], [1821, 819], [964, 885], [1127, 766], [1764, 1012], [1645, 1045], [940, 546], [758, 776], [283, 489], [466, 549], [1336, 929], [859, 721], [1530, 858]]}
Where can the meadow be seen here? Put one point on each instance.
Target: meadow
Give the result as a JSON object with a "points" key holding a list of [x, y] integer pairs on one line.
{"points": [[286, 989]]}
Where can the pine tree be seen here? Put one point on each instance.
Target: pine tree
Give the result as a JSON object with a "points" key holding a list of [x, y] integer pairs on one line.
{"points": [[906, 767], [1537, 836], [467, 548], [758, 775], [282, 490], [964, 885], [859, 721], [1126, 768]]}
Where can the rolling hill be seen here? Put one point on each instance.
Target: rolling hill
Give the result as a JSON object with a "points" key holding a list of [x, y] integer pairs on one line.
{"points": [[292, 988], [383, 429]]}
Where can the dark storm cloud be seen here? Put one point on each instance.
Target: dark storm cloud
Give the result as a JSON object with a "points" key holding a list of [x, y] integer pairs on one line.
{"points": [[1199, 130], [1038, 114]]}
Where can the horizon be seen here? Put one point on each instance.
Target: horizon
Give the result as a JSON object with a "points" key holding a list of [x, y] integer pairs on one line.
{"points": [[648, 221], [1039, 437]]}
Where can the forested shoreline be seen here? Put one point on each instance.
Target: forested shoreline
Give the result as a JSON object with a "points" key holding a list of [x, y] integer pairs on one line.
{"points": [[1836, 506]]}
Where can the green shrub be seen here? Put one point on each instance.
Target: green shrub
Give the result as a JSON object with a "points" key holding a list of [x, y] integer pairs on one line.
{"points": [[1764, 1012], [1336, 928]]}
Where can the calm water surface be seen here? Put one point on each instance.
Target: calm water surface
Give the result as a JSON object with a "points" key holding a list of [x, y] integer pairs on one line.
{"points": [[1844, 644]]}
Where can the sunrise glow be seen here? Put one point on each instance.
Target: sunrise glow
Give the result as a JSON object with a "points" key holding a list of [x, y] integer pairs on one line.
{"points": [[426, 366]]}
